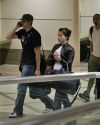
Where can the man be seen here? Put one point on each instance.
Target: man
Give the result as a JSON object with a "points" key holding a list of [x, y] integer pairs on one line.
{"points": [[94, 62], [30, 60]]}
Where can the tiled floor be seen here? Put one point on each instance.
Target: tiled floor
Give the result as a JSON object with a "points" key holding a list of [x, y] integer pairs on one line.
{"points": [[32, 107]]}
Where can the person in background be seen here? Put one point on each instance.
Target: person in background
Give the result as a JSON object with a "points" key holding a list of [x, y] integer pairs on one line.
{"points": [[61, 56], [94, 61]]}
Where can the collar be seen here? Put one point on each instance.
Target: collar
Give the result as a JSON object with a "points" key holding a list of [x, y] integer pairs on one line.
{"points": [[66, 44], [29, 30]]}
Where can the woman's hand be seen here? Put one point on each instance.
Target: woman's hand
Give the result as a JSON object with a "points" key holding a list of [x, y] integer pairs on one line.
{"points": [[57, 57], [47, 69]]}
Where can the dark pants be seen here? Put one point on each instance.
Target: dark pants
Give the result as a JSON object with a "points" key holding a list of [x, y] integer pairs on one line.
{"points": [[98, 88], [27, 70], [46, 100], [61, 97], [94, 66], [71, 123]]}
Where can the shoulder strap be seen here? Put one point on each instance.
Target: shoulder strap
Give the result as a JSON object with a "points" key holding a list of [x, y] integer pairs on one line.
{"points": [[91, 31], [43, 50], [76, 94], [41, 45]]}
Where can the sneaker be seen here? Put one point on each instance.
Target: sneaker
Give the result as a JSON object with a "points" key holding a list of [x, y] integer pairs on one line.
{"points": [[15, 115], [47, 110], [85, 96]]}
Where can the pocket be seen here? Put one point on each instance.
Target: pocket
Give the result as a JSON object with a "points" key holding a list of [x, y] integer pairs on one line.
{"points": [[28, 70]]}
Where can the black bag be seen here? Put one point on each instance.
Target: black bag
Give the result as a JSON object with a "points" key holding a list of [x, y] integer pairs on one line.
{"points": [[68, 86], [38, 90]]}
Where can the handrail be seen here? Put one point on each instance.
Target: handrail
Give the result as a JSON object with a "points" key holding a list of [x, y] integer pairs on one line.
{"points": [[36, 79], [86, 16], [62, 116], [52, 19]]}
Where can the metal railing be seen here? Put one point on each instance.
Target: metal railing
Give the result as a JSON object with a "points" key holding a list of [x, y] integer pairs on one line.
{"points": [[42, 19], [56, 117], [44, 78]]}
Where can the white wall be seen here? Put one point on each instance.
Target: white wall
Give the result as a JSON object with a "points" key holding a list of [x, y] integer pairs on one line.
{"points": [[40, 9], [0, 16], [88, 8]]}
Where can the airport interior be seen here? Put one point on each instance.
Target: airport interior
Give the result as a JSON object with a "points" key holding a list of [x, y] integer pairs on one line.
{"points": [[48, 17]]}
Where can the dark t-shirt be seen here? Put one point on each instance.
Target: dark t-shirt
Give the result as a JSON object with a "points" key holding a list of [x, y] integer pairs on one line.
{"points": [[29, 40]]}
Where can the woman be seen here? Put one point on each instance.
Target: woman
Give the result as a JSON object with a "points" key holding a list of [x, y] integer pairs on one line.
{"points": [[61, 56]]}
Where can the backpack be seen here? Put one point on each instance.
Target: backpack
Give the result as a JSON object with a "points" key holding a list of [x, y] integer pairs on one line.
{"points": [[91, 33], [91, 30]]}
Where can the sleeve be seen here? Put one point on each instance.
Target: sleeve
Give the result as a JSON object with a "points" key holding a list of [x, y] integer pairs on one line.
{"points": [[70, 57], [37, 40], [19, 33]]}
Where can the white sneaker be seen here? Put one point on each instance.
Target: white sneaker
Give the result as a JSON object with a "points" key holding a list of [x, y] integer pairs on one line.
{"points": [[47, 110], [15, 115]]}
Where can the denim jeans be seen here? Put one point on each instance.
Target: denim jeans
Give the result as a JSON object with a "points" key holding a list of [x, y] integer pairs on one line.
{"points": [[47, 101], [27, 70], [60, 98]]}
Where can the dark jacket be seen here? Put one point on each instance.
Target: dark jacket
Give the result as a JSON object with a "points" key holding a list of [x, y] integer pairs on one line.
{"points": [[67, 56]]}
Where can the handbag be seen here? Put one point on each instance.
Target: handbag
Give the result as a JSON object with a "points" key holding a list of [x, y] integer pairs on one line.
{"points": [[40, 89], [68, 86]]}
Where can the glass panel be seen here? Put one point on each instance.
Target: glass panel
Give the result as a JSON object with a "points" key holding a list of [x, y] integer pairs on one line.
{"points": [[85, 24], [48, 29]]}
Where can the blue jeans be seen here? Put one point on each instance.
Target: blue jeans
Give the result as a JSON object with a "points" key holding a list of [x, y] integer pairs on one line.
{"points": [[61, 97], [27, 70]]}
